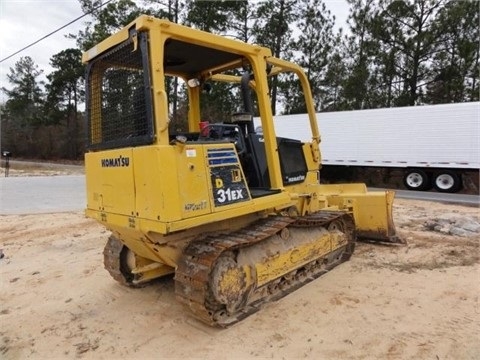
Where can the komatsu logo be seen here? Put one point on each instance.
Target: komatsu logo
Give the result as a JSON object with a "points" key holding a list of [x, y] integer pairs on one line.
{"points": [[296, 178], [116, 162]]}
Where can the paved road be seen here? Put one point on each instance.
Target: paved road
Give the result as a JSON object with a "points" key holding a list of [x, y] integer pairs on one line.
{"points": [[440, 197], [463, 199], [20, 164], [44, 194]]}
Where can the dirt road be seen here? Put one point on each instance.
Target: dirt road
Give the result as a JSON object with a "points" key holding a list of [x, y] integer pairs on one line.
{"points": [[419, 301]]}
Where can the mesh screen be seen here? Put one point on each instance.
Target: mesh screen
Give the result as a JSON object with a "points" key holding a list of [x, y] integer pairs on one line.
{"points": [[119, 104]]}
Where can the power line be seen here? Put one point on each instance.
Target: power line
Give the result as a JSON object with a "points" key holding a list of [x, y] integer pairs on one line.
{"points": [[55, 31]]}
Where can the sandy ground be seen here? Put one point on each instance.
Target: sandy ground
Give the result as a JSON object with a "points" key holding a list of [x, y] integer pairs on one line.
{"points": [[419, 301]]}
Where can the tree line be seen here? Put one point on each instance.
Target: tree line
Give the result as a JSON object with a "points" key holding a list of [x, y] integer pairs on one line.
{"points": [[390, 53]]}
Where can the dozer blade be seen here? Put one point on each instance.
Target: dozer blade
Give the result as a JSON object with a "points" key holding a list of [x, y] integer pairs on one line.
{"points": [[372, 210]]}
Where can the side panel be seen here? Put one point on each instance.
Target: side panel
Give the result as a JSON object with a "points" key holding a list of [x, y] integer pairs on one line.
{"points": [[157, 191], [185, 181], [193, 181], [110, 181]]}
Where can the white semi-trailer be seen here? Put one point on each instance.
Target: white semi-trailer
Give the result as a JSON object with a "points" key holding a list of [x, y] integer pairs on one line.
{"points": [[434, 145]]}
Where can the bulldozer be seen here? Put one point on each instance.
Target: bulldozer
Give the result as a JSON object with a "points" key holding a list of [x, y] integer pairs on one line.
{"points": [[240, 217]]}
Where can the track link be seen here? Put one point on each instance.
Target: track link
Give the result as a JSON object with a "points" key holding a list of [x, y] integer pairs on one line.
{"points": [[194, 274]]}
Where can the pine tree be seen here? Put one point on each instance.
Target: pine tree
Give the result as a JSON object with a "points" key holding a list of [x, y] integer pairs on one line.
{"points": [[106, 20], [22, 113], [315, 45], [25, 98], [220, 17], [359, 44], [273, 19], [240, 24], [409, 30], [211, 16], [334, 81], [455, 65], [65, 93]]}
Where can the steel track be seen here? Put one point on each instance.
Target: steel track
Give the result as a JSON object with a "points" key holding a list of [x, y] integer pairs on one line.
{"points": [[193, 275]]}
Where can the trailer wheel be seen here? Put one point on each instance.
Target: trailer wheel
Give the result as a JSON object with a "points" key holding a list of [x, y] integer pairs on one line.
{"points": [[416, 179], [447, 181]]}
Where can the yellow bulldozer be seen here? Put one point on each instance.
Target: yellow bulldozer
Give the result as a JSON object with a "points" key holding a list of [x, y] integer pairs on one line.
{"points": [[239, 217]]}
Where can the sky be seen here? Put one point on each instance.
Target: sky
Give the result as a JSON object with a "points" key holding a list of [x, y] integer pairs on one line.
{"points": [[24, 21]]}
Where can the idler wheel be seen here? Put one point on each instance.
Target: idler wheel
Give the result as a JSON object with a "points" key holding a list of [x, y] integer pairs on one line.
{"points": [[229, 283], [336, 225]]}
